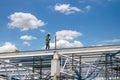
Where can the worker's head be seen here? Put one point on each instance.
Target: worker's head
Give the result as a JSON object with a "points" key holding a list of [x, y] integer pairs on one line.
{"points": [[48, 34]]}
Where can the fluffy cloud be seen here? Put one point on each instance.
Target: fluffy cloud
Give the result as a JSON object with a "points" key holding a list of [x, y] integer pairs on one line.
{"points": [[42, 31], [88, 7], [66, 39], [7, 47], [66, 44], [67, 34], [113, 41], [108, 42], [26, 43], [24, 21], [27, 37], [66, 8]]}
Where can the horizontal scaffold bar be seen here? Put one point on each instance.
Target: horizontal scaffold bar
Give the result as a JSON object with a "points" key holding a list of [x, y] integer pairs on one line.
{"points": [[80, 50]]}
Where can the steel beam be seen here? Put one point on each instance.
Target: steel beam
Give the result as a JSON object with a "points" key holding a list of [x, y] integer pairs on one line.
{"points": [[79, 50]]}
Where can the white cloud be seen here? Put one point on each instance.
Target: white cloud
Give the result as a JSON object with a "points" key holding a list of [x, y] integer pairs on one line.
{"points": [[88, 7], [24, 21], [66, 39], [67, 34], [108, 42], [27, 37], [113, 41], [66, 44], [7, 47], [26, 43], [42, 31], [66, 8]]}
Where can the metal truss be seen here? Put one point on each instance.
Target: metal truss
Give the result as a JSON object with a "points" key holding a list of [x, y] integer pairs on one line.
{"points": [[84, 63]]}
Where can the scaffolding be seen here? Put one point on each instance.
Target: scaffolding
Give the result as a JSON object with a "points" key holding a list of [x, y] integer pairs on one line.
{"points": [[83, 63]]}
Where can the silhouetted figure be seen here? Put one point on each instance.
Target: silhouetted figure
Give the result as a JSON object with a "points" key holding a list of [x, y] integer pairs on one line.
{"points": [[47, 42]]}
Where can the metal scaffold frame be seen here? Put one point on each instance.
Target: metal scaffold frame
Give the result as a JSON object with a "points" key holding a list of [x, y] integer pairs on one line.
{"points": [[83, 63]]}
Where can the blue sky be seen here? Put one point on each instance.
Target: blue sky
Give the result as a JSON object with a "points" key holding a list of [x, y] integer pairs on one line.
{"points": [[76, 23]]}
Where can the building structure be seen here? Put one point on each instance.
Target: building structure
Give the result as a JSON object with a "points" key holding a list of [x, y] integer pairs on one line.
{"points": [[83, 63]]}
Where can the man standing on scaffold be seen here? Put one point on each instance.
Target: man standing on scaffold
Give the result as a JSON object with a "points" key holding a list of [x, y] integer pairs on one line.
{"points": [[47, 42]]}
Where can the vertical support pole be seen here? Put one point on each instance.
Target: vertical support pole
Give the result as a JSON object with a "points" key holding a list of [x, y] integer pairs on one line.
{"points": [[40, 68], [106, 67], [60, 77], [55, 67], [72, 67], [111, 65], [55, 43], [117, 70], [33, 64], [33, 68], [80, 69]]}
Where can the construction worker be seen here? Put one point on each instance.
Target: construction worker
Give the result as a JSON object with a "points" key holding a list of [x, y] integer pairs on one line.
{"points": [[47, 42]]}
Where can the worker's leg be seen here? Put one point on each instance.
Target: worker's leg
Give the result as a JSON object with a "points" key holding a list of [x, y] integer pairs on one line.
{"points": [[47, 46]]}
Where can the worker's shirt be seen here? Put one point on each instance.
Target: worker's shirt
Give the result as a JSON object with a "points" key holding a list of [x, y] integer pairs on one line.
{"points": [[47, 39]]}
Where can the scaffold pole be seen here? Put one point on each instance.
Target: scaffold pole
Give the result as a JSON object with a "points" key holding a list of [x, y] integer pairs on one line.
{"points": [[55, 67]]}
